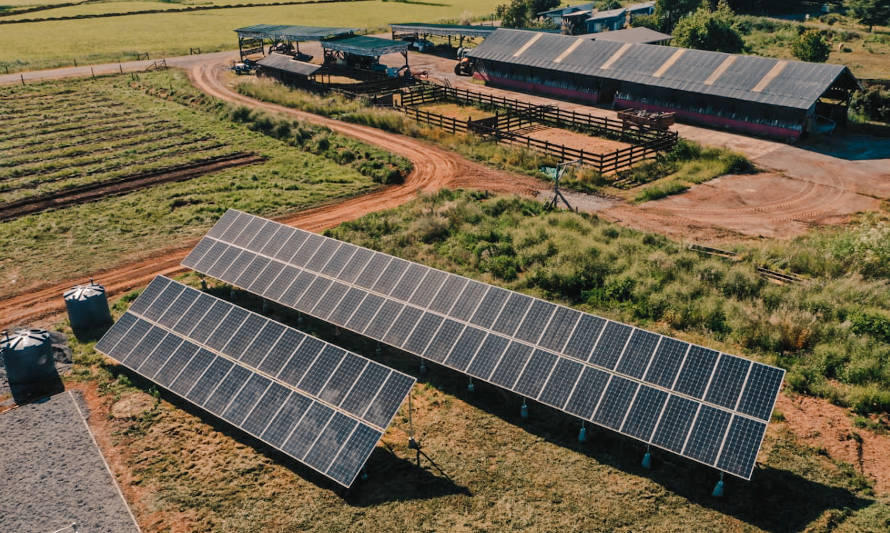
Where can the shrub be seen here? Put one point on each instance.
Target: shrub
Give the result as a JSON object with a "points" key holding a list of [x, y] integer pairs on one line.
{"points": [[810, 46]]}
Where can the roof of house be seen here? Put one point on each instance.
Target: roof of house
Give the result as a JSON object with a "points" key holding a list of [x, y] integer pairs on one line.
{"points": [[793, 84], [609, 14], [365, 46], [632, 35], [443, 29]]}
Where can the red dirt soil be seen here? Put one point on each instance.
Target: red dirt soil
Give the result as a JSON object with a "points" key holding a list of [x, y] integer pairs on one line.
{"points": [[820, 424]]}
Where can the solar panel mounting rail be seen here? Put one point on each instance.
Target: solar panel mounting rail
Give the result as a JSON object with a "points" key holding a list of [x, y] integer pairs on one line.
{"points": [[704, 405], [315, 402]]}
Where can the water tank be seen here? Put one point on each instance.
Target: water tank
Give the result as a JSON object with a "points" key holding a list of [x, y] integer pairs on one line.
{"points": [[28, 355], [87, 307]]}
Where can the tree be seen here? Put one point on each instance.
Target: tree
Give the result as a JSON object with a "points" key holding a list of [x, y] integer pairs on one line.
{"points": [[524, 13], [605, 5], [709, 30], [870, 12], [669, 12], [810, 46]]}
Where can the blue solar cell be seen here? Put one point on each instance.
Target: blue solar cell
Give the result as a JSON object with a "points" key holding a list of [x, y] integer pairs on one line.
{"points": [[251, 272], [644, 413], [158, 357], [244, 336], [223, 223], [675, 423], [359, 398], [281, 352], [384, 319], [257, 350], [373, 271], [410, 282], [490, 307], [330, 300], [266, 408], [562, 381], [276, 241], [227, 389], [696, 372], [586, 396], [174, 365], [343, 379], [300, 362], [209, 322], [423, 333], [447, 295], [351, 458], [666, 363], [321, 256], [391, 275], [535, 374], [312, 295], [308, 430], [261, 236], [306, 250], [144, 347], [177, 309], [490, 352], [355, 265], [512, 314], [253, 226], [365, 313], [147, 296], [729, 377], [465, 348], [115, 333], [584, 337], [163, 302], [286, 419], [294, 241], [639, 351], [760, 392], [209, 380], [561, 325], [321, 369], [403, 326], [611, 345], [194, 257], [741, 445], [443, 341], [211, 256], [266, 277], [330, 441], [235, 227], [707, 434], [229, 325], [389, 399], [193, 369], [616, 402], [535, 321], [468, 300], [296, 289], [428, 288], [339, 260], [275, 291], [130, 339], [246, 399], [347, 306], [511, 364]]}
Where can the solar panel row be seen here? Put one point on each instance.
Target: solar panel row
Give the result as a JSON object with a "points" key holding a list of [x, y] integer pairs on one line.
{"points": [[708, 406], [317, 403]]}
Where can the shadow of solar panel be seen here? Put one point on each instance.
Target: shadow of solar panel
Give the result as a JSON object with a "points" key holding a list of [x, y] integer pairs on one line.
{"points": [[295, 409], [649, 386]]}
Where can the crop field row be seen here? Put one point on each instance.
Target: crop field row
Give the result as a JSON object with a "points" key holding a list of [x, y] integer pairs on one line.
{"points": [[88, 137]]}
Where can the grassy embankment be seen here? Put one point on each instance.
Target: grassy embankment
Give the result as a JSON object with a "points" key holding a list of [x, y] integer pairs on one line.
{"points": [[112, 39], [89, 237], [689, 163], [205, 477]]}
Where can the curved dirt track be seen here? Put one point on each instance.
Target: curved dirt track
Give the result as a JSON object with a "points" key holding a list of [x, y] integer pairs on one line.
{"points": [[434, 168]]}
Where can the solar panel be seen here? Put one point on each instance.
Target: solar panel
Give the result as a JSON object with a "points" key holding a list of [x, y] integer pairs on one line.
{"points": [[318, 403], [708, 406]]}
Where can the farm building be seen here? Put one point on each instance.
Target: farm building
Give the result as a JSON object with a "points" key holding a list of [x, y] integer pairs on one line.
{"points": [[643, 8], [252, 39], [763, 96], [555, 15], [286, 69]]}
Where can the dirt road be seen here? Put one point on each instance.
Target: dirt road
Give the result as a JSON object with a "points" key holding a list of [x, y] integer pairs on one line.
{"points": [[434, 168]]}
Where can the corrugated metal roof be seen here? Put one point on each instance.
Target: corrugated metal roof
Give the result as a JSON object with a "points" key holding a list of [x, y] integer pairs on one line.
{"points": [[365, 46], [631, 35], [288, 64], [292, 33], [797, 86], [610, 14]]}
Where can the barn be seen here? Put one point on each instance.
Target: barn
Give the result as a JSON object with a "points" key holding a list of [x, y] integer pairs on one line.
{"points": [[757, 95]]}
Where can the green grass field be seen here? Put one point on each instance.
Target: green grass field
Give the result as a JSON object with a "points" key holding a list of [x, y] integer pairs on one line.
{"points": [[85, 238], [500, 473], [168, 34]]}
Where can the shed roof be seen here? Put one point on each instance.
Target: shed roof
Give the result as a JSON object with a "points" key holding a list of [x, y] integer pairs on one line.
{"points": [[642, 6], [792, 84], [292, 33], [609, 14], [362, 45], [288, 64], [632, 35], [444, 29]]}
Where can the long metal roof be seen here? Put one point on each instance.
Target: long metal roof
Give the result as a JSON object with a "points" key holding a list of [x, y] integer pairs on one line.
{"points": [[792, 84], [443, 30], [363, 45], [292, 33], [288, 64]]}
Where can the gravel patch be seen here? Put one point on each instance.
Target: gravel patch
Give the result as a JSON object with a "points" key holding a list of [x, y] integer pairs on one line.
{"points": [[53, 473]]}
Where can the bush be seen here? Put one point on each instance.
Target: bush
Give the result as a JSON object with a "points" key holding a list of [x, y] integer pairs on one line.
{"points": [[873, 103], [810, 46]]}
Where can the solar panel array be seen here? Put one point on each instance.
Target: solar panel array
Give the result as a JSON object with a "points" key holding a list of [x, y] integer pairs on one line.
{"points": [[317, 403], [708, 406]]}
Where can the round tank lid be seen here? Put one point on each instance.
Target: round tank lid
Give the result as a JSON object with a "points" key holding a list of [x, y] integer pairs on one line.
{"points": [[83, 292], [23, 338]]}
